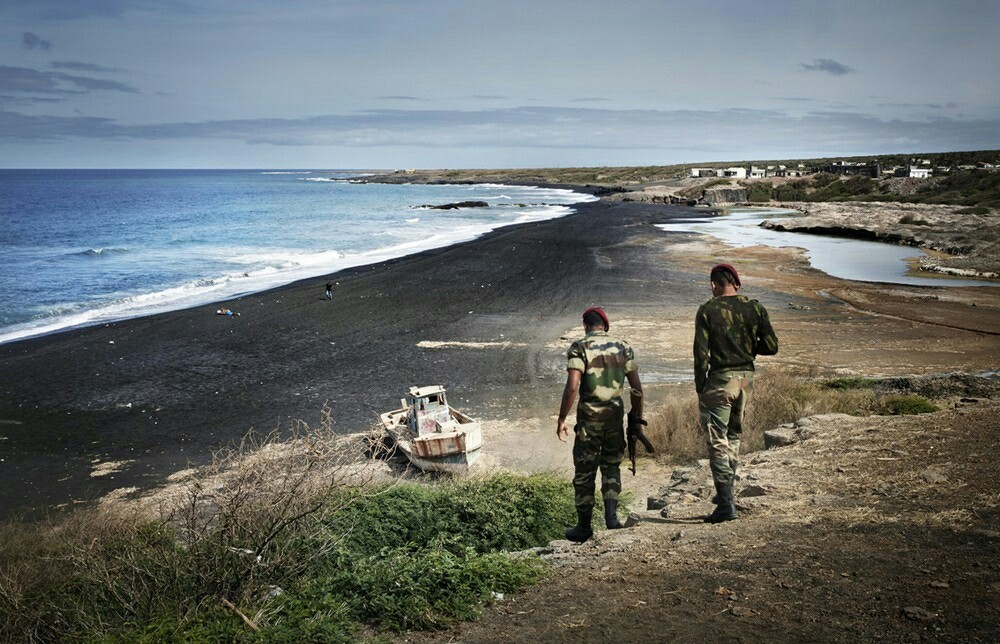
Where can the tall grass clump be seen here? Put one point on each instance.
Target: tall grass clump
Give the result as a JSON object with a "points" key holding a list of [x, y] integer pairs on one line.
{"points": [[778, 397], [278, 541]]}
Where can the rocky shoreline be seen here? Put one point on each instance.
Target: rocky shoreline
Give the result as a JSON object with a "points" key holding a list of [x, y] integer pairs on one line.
{"points": [[965, 244]]}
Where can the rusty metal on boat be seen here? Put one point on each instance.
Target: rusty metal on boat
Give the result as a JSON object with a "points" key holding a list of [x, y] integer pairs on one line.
{"points": [[433, 435]]}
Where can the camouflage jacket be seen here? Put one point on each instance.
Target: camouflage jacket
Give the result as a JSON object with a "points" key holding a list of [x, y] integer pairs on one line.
{"points": [[729, 332], [605, 363]]}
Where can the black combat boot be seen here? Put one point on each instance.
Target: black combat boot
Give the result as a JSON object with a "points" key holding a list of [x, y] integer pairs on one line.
{"points": [[724, 510], [582, 530], [611, 514]]}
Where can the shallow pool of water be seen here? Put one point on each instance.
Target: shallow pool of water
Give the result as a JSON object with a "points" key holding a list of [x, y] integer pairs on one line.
{"points": [[863, 261]]}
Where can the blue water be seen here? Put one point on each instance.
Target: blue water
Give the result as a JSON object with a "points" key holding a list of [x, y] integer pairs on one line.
{"points": [[851, 259], [82, 247]]}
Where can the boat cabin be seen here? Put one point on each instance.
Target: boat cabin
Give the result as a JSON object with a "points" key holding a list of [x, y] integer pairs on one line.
{"points": [[429, 411]]}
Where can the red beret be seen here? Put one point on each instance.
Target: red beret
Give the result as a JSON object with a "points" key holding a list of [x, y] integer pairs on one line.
{"points": [[604, 316], [718, 268]]}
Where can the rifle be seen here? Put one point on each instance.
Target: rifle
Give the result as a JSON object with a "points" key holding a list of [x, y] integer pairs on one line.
{"points": [[633, 435]]}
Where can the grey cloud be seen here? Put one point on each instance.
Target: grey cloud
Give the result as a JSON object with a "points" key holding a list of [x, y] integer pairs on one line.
{"points": [[83, 67], [32, 41], [24, 79], [17, 127], [61, 10], [487, 97], [402, 98], [588, 99], [26, 100], [735, 133], [827, 66], [930, 106]]}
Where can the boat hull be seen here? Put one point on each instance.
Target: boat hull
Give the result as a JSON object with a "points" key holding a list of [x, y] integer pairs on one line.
{"points": [[452, 449]]}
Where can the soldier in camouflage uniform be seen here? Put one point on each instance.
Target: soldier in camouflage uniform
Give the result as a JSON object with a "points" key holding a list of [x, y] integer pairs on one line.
{"points": [[730, 331], [597, 367]]}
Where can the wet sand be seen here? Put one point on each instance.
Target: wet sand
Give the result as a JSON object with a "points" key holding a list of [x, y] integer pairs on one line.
{"points": [[124, 405]]}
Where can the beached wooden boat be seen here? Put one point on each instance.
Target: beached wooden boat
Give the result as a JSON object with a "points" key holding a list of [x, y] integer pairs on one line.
{"points": [[433, 436]]}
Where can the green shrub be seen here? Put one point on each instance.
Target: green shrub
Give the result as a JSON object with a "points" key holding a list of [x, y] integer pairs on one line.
{"points": [[975, 210], [904, 405], [404, 556], [854, 382], [760, 191]]}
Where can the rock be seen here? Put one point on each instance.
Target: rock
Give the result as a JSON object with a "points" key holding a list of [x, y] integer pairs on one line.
{"points": [[752, 490], [459, 204], [654, 503], [939, 584], [741, 611], [682, 474], [932, 476], [632, 520], [665, 512], [918, 614], [780, 437], [722, 196], [678, 536]]}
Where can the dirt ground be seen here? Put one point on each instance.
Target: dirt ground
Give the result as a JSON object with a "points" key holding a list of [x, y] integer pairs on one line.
{"points": [[875, 528], [868, 529]]}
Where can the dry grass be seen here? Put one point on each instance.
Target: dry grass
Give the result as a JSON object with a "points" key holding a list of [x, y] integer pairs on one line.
{"points": [[219, 536], [778, 397]]}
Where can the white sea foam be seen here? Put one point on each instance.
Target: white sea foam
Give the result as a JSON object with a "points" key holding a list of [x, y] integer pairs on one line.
{"points": [[252, 269], [289, 172]]}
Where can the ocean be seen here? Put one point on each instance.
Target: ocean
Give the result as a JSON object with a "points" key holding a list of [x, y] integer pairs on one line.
{"points": [[85, 247]]}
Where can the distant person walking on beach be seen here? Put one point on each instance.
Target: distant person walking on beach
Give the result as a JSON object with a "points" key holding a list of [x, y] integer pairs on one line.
{"points": [[329, 290], [730, 331], [597, 368]]}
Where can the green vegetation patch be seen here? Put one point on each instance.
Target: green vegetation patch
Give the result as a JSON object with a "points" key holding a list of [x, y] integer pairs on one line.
{"points": [[854, 382], [396, 557], [904, 405]]}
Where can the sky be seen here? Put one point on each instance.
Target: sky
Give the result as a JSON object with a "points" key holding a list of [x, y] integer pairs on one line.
{"points": [[490, 83]]}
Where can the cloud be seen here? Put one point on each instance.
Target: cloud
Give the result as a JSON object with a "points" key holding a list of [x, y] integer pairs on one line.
{"points": [[726, 133], [83, 67], [402, 98], [6, 99], [588, 99], [24, 79], [827, 66], [930, 106], [32, 41], [61, 10]]}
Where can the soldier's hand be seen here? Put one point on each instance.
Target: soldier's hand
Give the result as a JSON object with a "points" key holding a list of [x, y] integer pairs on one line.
{"points": [[562, 431]]}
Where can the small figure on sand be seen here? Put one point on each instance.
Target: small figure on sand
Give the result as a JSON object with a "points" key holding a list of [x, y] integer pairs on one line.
{"points": [[225, 312], [329, 290]]}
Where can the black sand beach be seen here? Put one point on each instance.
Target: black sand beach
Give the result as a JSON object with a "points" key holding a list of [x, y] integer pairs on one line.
{"points": [[161, 392]]}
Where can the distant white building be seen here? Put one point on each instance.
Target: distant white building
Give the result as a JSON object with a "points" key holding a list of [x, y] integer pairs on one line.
{"points": [[757, 173], [729, 173], [919, 173]]}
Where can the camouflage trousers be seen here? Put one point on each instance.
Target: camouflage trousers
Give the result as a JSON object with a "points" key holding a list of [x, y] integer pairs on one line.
{"points": [[598, 445], [722, 403]]}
